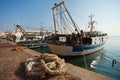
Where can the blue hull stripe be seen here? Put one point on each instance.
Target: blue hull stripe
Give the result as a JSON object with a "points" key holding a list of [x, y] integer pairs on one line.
{"points": [[81, 48], [77, 48]]}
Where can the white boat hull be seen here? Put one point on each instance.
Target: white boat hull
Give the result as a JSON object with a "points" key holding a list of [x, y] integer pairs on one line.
{"points": [[74, 50]]}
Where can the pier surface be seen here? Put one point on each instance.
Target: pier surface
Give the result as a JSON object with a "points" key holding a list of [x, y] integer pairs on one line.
{"points": [[12, 65]]}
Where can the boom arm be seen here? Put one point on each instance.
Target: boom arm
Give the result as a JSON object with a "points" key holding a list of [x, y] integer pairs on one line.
{"points": [[24, 33]]}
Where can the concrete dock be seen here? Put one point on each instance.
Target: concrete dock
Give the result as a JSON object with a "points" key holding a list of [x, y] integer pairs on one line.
{"points": [[12, 65]]}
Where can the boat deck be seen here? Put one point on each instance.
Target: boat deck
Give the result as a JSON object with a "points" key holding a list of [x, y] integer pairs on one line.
{"points": [[12, 65]]}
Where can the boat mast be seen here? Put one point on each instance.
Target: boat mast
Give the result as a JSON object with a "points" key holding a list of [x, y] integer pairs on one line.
{"points": [[54, 19], [91, 23]]}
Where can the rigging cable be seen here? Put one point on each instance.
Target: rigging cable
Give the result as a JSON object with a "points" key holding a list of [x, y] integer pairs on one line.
{"points": [[67, 24]]}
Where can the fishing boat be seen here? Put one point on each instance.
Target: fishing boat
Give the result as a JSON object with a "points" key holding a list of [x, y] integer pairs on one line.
{"points": [[68, 39], [29, 40]]}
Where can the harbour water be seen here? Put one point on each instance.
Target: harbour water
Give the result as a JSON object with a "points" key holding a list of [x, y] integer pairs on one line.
{"points": [[105, 62]]}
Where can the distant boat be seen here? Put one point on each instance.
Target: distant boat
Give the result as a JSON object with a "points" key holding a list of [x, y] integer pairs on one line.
{"points": [[31, 40], [68, 39]]}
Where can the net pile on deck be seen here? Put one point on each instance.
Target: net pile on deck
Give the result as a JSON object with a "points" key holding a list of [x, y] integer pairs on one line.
{"points": [[49, 64]]}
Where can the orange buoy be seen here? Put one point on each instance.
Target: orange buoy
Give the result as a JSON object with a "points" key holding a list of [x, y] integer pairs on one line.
{"points": [[18, 48]]}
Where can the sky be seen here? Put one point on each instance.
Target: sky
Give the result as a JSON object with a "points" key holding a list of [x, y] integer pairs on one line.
{"points": [[38, 13]]}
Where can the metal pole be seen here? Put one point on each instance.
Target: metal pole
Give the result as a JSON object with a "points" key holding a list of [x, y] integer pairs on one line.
{"points": [[54, 20]]}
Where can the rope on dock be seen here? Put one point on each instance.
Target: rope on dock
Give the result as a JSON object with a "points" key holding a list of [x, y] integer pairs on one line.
{"points": [[49, 64]]}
